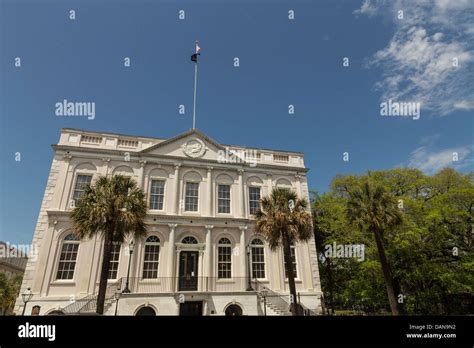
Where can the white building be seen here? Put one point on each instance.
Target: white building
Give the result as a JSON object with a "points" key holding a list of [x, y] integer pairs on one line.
{"points": [[201, 245]]}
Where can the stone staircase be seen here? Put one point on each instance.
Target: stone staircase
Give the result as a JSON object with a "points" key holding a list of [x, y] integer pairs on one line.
{"points": [[276, 305], [88, 304]]}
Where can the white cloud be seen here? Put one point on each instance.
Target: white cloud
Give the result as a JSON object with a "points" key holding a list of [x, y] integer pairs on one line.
{"points": [[464, 105], [419, 62], [430, 160], [368, 8]]}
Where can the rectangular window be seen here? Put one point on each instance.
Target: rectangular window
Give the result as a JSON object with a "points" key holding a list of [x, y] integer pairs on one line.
{"points": [[254, 199], [81, 183], [67, 260], [192, 196], [223, 199], [157, 194], [114, 261], [150, 263], [258, 262], [224, 263], [293, 262]]}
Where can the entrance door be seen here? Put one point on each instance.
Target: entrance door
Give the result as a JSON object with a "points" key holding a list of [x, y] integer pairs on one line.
{"points": [[191, 308], [188, 270]]}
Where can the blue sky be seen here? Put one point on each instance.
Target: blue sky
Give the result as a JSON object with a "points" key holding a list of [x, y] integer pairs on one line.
{"points": [[282, 62]]}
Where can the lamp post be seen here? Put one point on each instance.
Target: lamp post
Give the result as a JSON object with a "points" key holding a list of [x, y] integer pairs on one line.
{"points": [[249, 285], [130, 248], [117, 295], [263, 293], [26, 297]]}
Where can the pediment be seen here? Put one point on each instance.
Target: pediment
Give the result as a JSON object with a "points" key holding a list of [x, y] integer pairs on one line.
{"points": [[192, 144]]}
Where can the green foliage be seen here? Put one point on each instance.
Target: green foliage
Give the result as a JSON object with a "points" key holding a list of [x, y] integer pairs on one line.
{"points": [[9, 290], [112, 205], [114, 208], [282, 224], [430, 252]]}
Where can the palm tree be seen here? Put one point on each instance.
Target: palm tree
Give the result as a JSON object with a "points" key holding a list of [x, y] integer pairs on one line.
{"points": [[114, 208], [371, 208], [284, 220]]}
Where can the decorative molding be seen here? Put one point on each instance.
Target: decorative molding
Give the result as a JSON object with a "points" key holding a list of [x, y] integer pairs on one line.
{"points": [[169, 159], [194, 148]]}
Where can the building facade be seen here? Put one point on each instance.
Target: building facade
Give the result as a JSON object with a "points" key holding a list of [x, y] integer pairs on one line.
{"points": [[201, 254], [12, 261]]}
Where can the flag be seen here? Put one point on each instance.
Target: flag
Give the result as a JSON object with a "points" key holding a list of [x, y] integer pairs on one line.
{"points": [[194, 57]]}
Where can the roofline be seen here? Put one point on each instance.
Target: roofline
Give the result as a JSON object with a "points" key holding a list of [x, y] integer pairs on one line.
{"points": [[189, 131], [264, 149], [180, 136], [110, 133], [140, 154]]}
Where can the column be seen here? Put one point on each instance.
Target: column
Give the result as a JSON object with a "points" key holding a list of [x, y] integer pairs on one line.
{"points": [[298, 185], [201, 280], [171, 255], [63, 178], [242, 192], [176, 189], [209, 188], [105, 164], [243, 253], [208, 260], [175, 280], [141, 175], [269, 184]]}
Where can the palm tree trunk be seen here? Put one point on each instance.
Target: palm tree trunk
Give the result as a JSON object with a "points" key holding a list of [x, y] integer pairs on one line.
{"points": [[289, 273], [330, 286], [104, 272], [387, 274]]}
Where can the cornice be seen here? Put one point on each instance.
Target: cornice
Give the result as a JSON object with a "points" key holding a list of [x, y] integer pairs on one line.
{"points": [[136, 156]]}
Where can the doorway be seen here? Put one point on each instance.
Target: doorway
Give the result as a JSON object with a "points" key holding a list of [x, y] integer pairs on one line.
{"points": [[188, 270], [191, 308]]}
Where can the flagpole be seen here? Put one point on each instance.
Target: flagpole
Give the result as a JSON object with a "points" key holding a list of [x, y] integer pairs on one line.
{"points": [[195, 84]]}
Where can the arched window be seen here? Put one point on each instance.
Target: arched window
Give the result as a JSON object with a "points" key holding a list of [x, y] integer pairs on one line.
{"points": [[189, 240], [152, 257], [146, 311], [56, 313], [35, 310], [233, 310], [293, 262], [224, 258], [114, 260], [258, 259], [67, 258]]}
